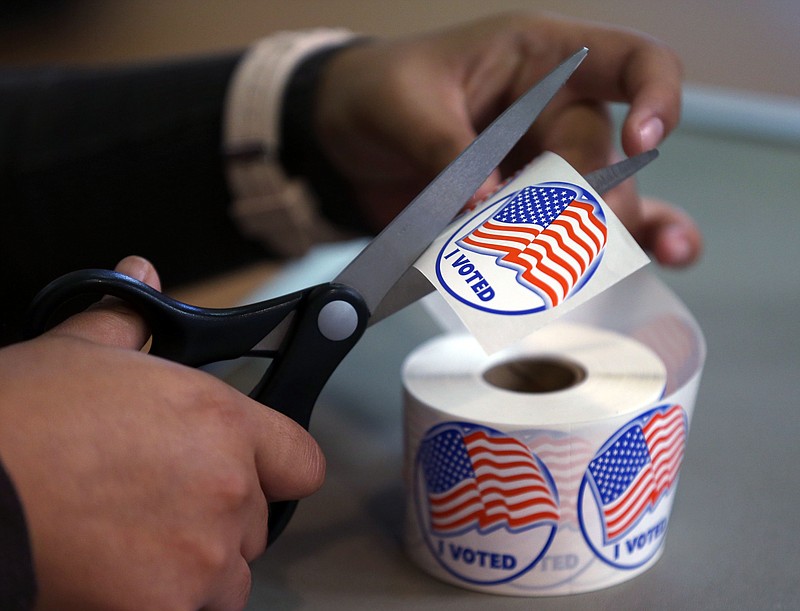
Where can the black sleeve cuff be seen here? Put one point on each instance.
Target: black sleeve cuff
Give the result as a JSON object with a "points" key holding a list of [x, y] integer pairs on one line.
{"points": [[301, 153], [17, 578]]}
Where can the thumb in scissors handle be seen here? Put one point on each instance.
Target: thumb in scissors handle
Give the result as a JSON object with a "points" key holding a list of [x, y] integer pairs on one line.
{"points": [[181, 332]]}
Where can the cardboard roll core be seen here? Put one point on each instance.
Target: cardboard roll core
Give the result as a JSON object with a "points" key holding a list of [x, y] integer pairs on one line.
{"points": [[535, 375]]}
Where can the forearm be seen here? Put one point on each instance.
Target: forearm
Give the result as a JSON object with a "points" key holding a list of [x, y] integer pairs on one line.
{"points": [[99, 164], [103, 163]]}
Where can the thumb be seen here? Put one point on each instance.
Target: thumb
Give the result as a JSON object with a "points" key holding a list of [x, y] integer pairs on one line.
{"points": [[111, 321]]}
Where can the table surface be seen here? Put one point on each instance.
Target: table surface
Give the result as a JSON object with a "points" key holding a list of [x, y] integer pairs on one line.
{"points": [[733, 540]]}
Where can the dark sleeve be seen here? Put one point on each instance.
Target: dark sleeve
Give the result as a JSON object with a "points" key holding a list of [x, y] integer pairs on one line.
{"points": [[17, 582], [99, 164]]}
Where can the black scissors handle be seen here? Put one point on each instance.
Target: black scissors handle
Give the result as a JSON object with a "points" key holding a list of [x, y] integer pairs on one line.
{"points": [[326, 322], [330, 321], [181, 332]]}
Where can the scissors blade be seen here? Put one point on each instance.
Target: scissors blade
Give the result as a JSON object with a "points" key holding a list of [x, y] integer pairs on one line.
{"points": [[413, 285], [379, 266], [607, 178]]}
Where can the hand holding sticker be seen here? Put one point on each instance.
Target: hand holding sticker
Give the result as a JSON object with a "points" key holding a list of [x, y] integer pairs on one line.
{"points": [[542, 245]]}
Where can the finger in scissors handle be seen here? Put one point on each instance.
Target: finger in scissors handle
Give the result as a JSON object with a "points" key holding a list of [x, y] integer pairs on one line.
{"points": [[328, 323], [181, 332]]}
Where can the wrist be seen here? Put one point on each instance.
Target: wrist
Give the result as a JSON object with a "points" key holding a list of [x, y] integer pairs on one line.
{"points": [[269, 204]]}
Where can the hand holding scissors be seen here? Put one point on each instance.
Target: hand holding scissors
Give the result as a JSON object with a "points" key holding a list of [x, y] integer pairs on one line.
{"points": [[309, 332]]}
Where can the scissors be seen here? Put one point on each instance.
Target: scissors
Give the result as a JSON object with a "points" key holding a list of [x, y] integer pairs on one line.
{"points": [[307, 333]]}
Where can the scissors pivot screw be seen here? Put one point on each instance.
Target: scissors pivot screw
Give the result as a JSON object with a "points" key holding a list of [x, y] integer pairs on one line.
{"points": [[337, 320]]}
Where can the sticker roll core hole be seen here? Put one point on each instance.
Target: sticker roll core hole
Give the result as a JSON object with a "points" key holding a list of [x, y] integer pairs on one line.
{"points": [[535, 375]]}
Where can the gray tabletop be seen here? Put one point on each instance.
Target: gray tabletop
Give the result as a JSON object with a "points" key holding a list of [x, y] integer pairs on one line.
{"points": [[734, 542]]}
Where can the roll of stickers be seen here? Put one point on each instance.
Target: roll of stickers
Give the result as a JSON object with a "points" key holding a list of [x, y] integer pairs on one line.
{"points": [[551, 467]]}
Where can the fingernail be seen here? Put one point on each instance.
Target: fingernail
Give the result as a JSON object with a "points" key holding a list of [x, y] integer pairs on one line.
{"points": [[678, 245], [651, 133], [135, 267]]}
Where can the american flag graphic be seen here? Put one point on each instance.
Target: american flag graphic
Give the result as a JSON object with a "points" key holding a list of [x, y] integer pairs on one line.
{"points": [[566, 457], [642, 464], [673, 340], [479, 481], [548, 236]]}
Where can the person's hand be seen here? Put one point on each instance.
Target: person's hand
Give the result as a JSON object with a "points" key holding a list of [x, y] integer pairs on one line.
{"points": [[392, 114], [144, 483]]}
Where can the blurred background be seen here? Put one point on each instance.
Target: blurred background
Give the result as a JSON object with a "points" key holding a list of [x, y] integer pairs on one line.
{"points": [[727, 43], [734, 164]]}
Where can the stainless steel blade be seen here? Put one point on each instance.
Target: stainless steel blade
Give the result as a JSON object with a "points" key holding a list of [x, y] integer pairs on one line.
{"points": [[413, 286], [380, 265], [607, 178]]}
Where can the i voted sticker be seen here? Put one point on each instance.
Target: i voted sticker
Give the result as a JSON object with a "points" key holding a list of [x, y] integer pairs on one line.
{"points": [[629, 486], [529, 251], [474, 486]]}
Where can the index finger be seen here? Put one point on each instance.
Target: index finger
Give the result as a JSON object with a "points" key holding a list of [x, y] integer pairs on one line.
{"points": [[622, 66], [625, 66], [289, 461]]}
